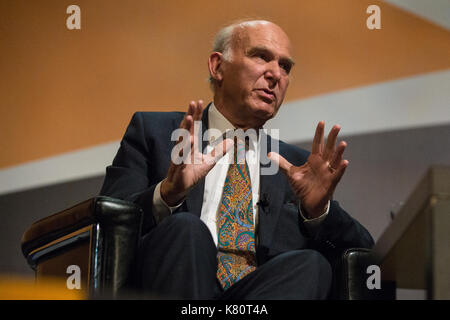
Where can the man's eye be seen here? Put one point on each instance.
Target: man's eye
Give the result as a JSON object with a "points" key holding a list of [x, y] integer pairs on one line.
{"points": [[286, 67], [262, 56]]}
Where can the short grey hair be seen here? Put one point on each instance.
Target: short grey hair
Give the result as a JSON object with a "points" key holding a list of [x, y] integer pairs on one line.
{"points": [[223, 40]]}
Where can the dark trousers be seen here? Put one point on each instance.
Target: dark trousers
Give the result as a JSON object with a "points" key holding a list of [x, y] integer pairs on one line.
{"points": [[178, 261]]}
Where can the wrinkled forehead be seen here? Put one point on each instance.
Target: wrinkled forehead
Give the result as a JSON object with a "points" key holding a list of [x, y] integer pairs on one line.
{"points": [[261, 34]]}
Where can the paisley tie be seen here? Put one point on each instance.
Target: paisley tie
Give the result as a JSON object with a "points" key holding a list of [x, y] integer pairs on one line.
{"points": [[236, 230]]}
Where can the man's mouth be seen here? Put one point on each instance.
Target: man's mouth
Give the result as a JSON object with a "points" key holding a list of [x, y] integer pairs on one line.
{"points": [[267, 94]]}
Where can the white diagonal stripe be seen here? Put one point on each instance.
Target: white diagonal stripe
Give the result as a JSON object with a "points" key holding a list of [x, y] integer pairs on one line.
{"points": [[405, 103], [412, 102]]}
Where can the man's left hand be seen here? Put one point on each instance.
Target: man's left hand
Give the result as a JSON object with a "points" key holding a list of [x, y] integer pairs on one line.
{"points": [[314, 182]]}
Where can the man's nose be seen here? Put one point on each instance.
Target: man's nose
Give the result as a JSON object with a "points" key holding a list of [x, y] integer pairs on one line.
{"points": [[273, 72]]}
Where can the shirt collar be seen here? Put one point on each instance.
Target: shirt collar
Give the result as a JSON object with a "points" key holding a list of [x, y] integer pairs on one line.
{"points": [[217, 120]]}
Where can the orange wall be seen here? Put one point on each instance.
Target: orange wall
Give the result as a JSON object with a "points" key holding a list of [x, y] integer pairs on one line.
{"points": [[65, 90]]}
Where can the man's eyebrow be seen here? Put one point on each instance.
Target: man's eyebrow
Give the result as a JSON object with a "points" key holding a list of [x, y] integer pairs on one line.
{"points": [[264, 49], [289, 60]]}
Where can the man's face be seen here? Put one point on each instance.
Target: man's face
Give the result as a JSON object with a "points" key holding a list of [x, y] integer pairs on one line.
{"points": [[255, 80]]}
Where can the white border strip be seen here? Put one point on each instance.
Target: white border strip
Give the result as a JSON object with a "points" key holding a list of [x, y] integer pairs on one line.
{"points": [[407, 103], [413, 102], [74, 165]]}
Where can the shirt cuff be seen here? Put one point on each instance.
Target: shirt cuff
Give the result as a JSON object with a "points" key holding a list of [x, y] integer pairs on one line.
{"points": [[315, 222], [160, 208]]}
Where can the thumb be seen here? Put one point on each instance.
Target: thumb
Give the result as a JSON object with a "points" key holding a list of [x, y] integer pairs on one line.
{"points": [[282, 163]]}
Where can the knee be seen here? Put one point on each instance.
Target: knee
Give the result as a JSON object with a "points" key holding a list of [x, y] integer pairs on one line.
{"points": [[318, 272], [321, 263], [185, 221], [308, 260], [301, 274], [179, 230], [314, 264]]}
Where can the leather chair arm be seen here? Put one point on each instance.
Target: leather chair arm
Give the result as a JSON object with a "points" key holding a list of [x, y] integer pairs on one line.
{"points": [[350, 277], [113, 229], [57, 225]]}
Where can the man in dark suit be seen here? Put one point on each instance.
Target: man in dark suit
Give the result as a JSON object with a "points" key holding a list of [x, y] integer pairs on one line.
{"points": [[235, 230]]}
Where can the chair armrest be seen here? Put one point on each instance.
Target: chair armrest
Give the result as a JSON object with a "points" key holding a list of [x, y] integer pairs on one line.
{"points": [[350, 277], [55, 226], [110, 229]]}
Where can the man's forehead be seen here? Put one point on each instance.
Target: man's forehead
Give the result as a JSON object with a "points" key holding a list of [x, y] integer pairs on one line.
{"points": [[268, 36]]}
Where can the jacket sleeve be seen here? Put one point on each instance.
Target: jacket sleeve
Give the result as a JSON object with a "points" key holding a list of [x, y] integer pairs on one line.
{"points": [[339, 231], [129, 177]]}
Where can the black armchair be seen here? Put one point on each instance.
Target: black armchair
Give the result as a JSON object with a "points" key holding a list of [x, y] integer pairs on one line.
{"points": [[101, 236]]}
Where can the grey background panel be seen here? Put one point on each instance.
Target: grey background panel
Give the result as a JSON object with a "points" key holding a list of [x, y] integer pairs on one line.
{"points": [[19, 210], [384, 168]]}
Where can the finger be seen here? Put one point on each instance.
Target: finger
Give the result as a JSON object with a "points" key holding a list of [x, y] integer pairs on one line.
{"points": [[317, 145], [191, 108], [337, 158], [282, 163], [340, 171], [186, 124], [189, 112], [192, 112], [195, 130], [184, 145], [330, 146], [198, 110]]}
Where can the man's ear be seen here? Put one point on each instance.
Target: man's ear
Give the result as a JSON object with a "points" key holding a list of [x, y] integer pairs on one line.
{"points": [[215, 65]]}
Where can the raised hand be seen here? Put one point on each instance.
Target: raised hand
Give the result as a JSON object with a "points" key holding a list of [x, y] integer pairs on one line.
{"points": [[315, 181], [182, 177]]}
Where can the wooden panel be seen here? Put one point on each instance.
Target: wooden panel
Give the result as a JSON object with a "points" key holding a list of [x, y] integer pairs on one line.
{"points": [[56, 267], [414, 249], [408, 260], [441, 249]]}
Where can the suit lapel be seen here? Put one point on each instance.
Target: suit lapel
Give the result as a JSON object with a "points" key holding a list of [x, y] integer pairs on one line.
{"points": [[194, 199]]}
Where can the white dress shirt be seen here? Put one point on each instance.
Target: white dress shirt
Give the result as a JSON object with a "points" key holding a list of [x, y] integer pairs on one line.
{"points": [[215, 180]]}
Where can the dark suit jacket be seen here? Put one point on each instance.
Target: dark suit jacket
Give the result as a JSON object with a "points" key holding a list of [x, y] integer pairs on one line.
{"points": [[143, 161]]}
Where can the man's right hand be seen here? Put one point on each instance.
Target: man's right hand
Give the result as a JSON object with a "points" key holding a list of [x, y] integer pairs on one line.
{"points": [[182, 177]]}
